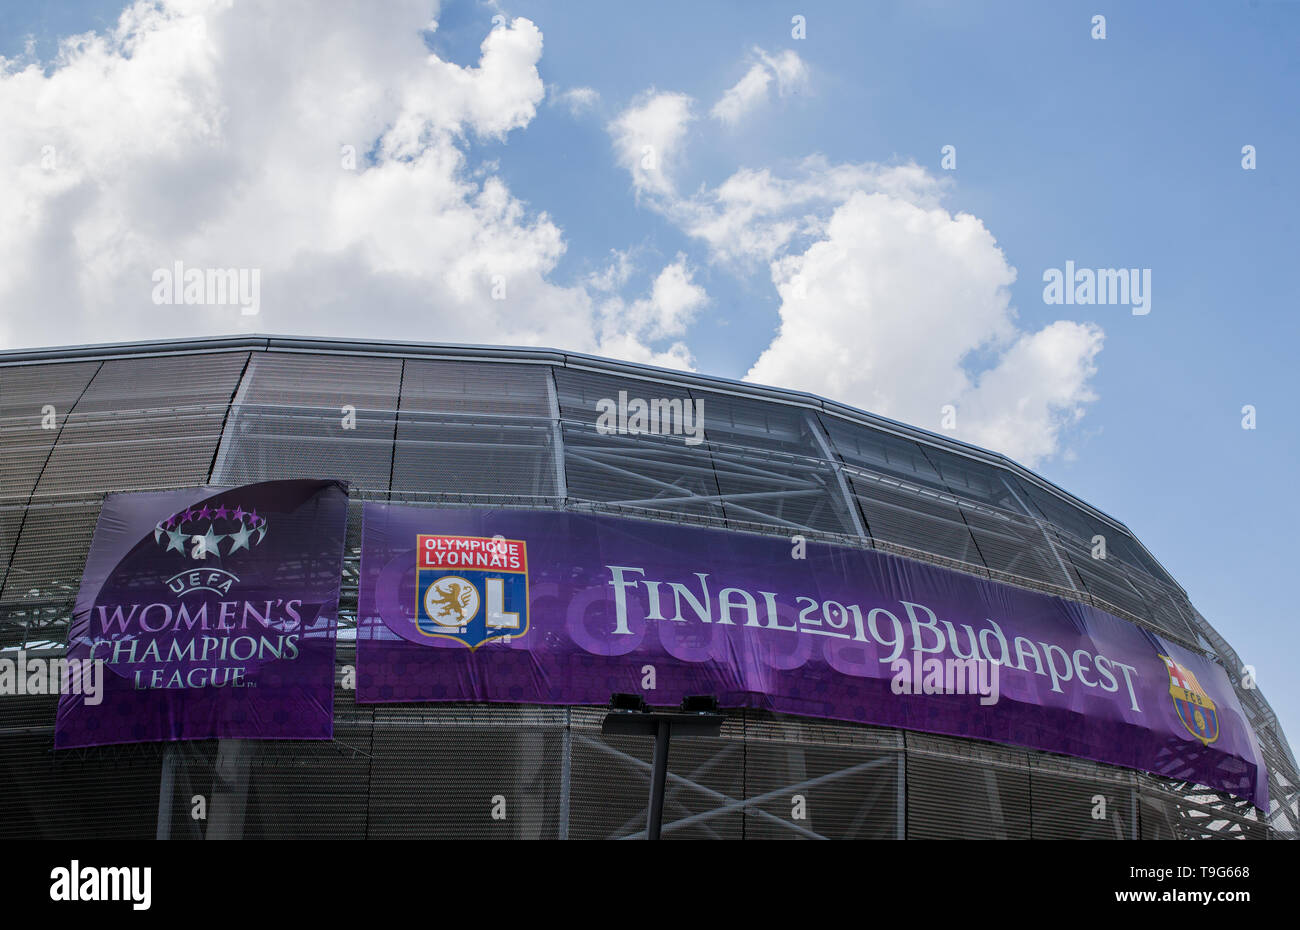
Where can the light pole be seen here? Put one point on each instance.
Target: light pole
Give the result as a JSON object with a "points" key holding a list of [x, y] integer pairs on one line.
{"points": [[629, 716]]}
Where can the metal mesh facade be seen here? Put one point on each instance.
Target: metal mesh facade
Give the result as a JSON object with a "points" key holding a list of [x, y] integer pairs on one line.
{"points": [[511, 427]]}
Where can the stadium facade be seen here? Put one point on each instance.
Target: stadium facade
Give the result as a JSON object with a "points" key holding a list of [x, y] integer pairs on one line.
{"points": [[516, 428]]}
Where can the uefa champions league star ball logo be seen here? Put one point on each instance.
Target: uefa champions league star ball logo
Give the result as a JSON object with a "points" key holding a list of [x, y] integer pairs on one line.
{"points": [[194, 532]]}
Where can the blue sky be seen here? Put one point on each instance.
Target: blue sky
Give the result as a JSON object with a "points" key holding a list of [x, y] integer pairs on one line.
{"points": [[1122, 152]]}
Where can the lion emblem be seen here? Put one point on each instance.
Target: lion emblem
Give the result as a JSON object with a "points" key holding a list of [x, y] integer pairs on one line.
{"points": [[451, 601]]}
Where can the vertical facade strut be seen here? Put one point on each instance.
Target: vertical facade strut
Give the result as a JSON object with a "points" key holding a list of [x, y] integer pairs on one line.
{"points": [[557, 435], [850, 502]]}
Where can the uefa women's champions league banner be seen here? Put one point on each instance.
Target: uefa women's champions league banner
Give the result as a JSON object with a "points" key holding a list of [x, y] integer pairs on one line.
{"points": [[563, 608], [213, 611]]}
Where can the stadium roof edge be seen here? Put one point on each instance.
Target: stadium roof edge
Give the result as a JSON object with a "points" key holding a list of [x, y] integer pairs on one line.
{"points": [[327, 344]]}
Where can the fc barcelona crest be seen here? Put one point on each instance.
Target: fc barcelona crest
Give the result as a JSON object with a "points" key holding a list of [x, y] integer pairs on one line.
{"points": [[1195, 709], [471, 588]]}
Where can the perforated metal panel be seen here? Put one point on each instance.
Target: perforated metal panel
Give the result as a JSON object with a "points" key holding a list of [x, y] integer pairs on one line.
{"points": [[25, 389], [51, 552], [1167, 606], [580, 392], [483, 461], [162, 383], [475, 389], [1011, 539], [1073, 799], [1015, 548], [265, 789], [611, 783], [1074, 522], [962, 790], [652, 475], [25, 440], [132, 451], [27, 392], [313, 416], [123, 424], [808, 779], [902, 496], [11, 520], [466, 772], [915, 517], [1107, 583], [108, 793], [770, 465], [143, 423], [474, 431]]}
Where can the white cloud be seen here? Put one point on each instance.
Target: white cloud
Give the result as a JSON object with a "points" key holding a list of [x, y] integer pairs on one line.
{"points": [[673, 303], [790, 71], [647, 139], [212, 133], [670, 307], [615, 275], [578, 99], [1039, 387], [751, 91], [889, 302], [754, 215], [887, 311], [744, 96]]}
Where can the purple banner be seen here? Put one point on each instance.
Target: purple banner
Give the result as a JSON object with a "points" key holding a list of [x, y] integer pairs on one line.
{"points": [[213, 612], [563, 608]]}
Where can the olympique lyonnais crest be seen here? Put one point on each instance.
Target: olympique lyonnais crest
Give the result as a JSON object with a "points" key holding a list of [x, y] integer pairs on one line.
{"points": [[471, 588], [1195, 709]]}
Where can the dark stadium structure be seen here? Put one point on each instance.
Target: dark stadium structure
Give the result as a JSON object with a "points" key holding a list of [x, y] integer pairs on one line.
{"points": [[505, 427]]}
